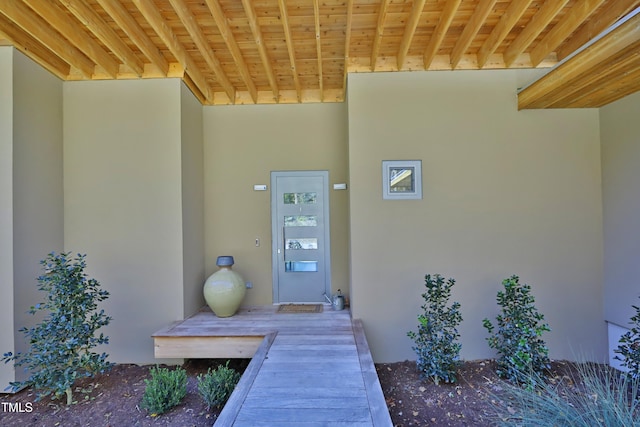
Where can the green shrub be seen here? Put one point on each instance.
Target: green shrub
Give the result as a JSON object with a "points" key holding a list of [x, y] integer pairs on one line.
{"points": [[164, 390], [435, 341], [216, 386], [60, 346], [629, 348], [521, 350], [598, 396]]}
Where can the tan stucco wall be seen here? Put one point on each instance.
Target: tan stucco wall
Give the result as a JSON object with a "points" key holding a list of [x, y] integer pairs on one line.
{"points": [[192, 200], [505, 192], [620, 136], [31, 198], [243, 144], [6, 211], [124, 204], [38, 190]]}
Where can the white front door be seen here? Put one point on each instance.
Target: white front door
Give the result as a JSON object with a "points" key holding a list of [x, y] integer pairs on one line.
{"points": [[300, 236]]}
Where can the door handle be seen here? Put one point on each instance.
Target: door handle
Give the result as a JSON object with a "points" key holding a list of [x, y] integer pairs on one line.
{"points": [[284, 245]]}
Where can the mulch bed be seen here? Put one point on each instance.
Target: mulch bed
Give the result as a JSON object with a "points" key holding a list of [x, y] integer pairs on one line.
{"points": [[113, 399], [472, 401]]}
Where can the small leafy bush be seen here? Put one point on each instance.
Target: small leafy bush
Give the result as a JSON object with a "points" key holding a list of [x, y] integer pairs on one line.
{"points": [[61, 345], [436, 345], [164, 390], [522, 352], [216, 386], [598, 396], [629, 348]]}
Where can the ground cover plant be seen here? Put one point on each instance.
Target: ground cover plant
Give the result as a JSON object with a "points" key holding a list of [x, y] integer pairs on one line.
{"points": [[164, 390], [601, 397], [436, 341], [216, 386], [61, 345], [522, 353]]}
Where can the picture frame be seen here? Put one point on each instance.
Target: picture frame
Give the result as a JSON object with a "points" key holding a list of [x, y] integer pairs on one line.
{"points": [[401, 179]]}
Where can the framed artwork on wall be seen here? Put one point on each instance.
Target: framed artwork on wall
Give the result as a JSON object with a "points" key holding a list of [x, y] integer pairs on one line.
{"points": [[401, 179]]}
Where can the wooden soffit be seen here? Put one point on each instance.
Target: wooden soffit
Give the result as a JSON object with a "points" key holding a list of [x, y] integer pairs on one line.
{"points": [[296, 51]]}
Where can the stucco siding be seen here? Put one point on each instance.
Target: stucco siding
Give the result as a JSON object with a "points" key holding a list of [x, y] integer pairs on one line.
{"points": [[6, 211], [192, 200], [620, 134], [123, 203], [243, 144], [38, 189], [505, 192], [31, 196]]}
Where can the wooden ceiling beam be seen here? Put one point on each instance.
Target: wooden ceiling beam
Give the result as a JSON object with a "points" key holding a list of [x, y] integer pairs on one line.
{"points": [[409, 31], [347, 45], [35, 50], [611, 93], [382, 16], [618, 39], [446, 17], [606, 75], [232, 45], [290, 48], [538, 23], [90, 19], [597, 76], [262, 49], [607, 16], [198, 37], [596, 97], [168, 37], [194, 89], [563, 29], [65, 25], [316, 19], [471, 30], [132, 29], [507, 21], [18, 12]]}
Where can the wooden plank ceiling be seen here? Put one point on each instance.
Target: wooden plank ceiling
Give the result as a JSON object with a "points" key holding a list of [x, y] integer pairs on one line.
{"points": [[289, 51]]}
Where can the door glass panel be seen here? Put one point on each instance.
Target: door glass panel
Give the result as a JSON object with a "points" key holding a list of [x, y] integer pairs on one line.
{"points": [[301, 221], [301, 266], [302, 243], [300, 198]]}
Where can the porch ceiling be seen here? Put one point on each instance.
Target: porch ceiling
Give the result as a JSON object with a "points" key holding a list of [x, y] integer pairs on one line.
{"points": [[289, 51]]}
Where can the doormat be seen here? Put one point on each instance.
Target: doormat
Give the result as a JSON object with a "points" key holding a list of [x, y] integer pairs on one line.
{"points": [[300, 308]]}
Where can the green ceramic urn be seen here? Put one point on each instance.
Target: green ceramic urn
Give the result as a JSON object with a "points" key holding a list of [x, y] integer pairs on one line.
{"points": [[224, 289]]}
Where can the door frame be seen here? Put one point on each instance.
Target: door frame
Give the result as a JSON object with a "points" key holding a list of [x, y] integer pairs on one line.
{"points": [[275, 232]]}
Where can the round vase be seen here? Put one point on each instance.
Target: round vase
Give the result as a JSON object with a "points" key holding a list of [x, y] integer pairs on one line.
{"points": [[224, 289]]}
